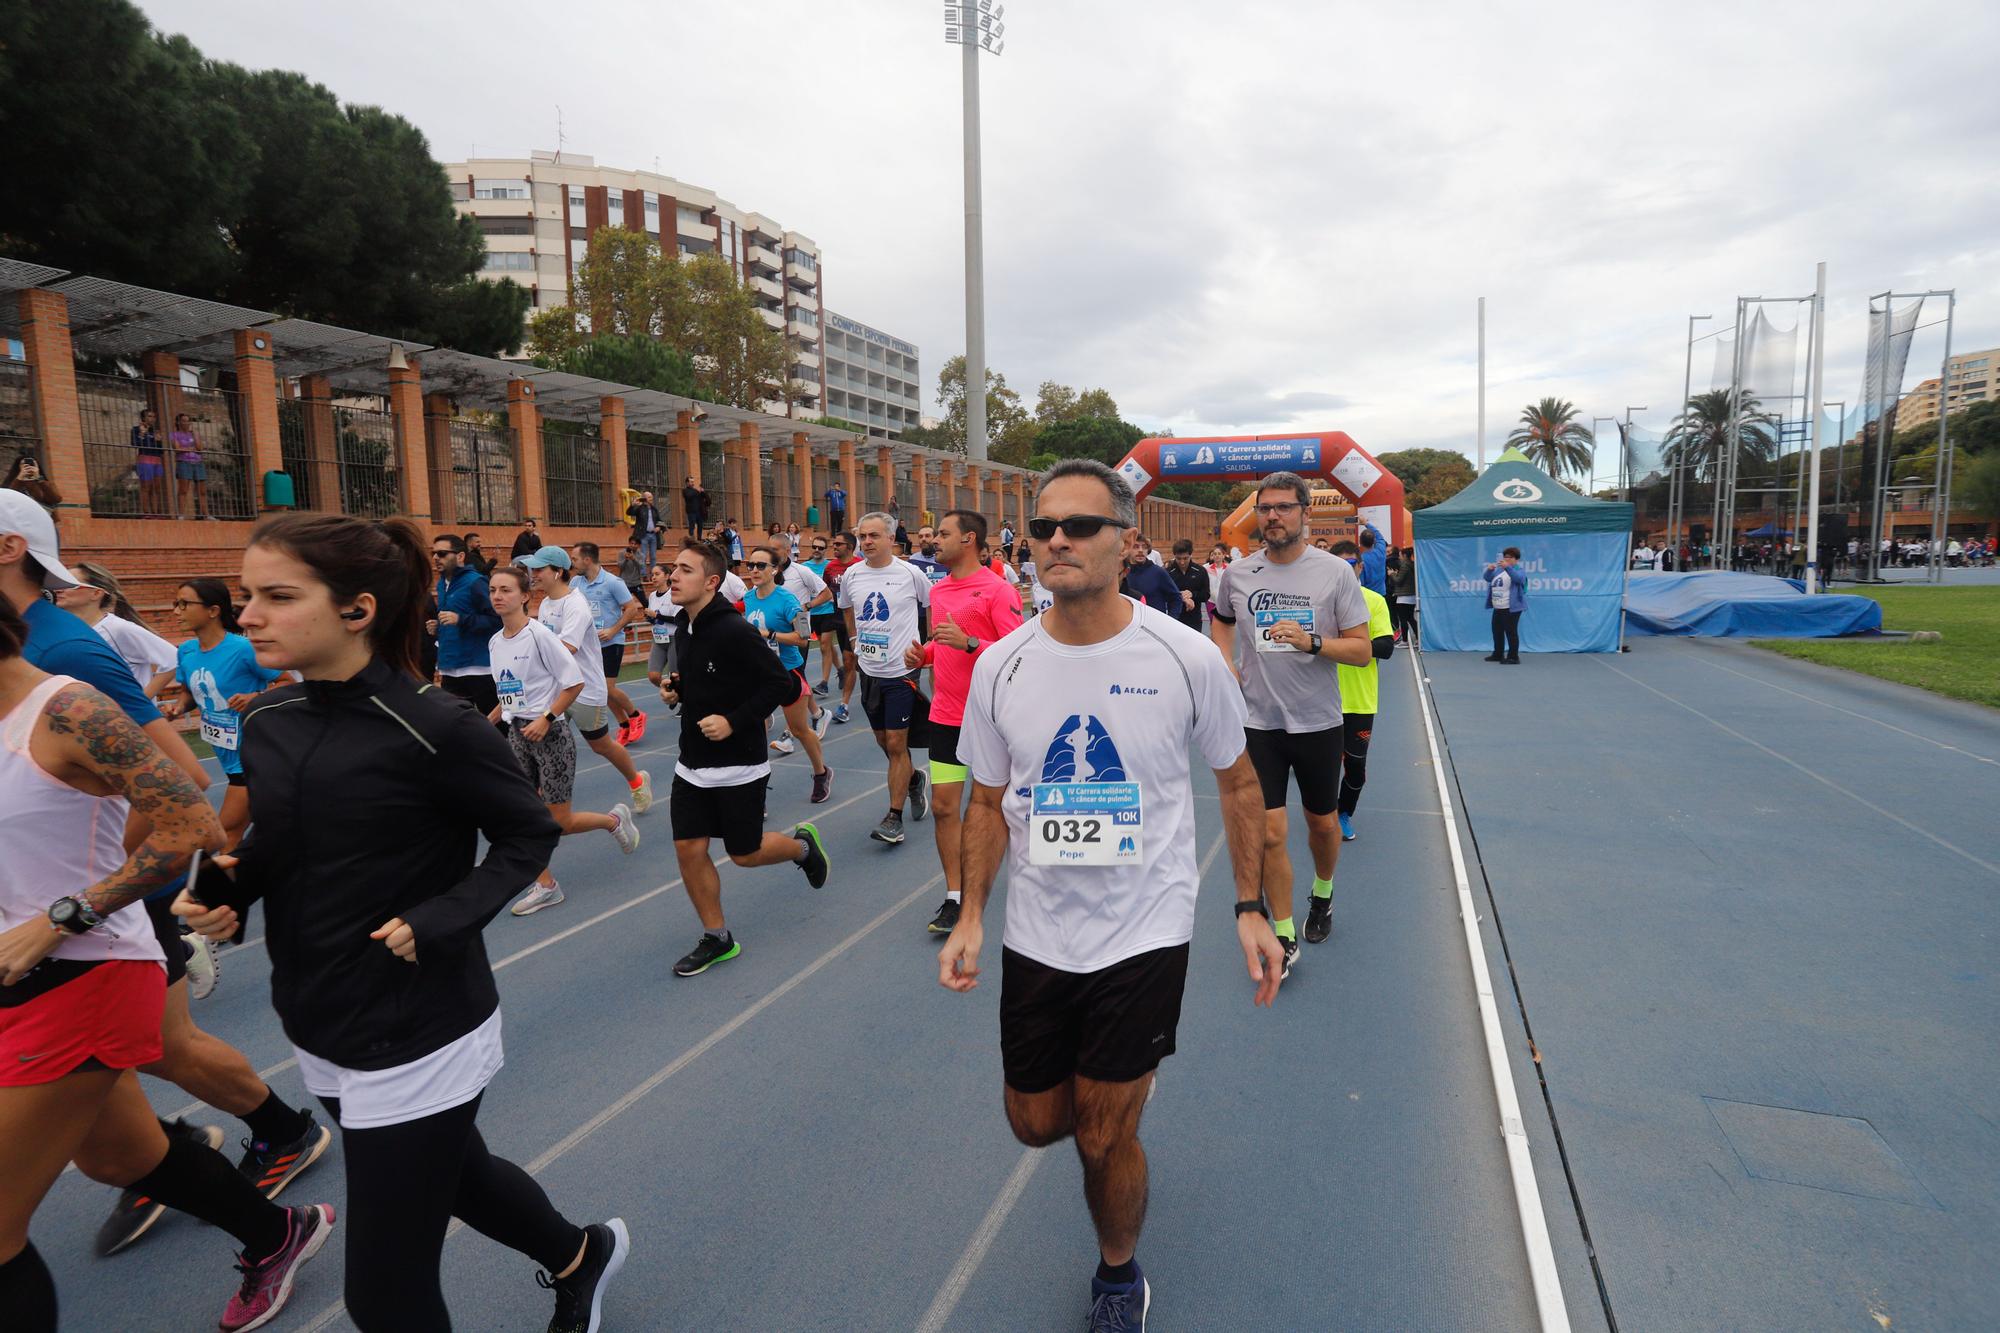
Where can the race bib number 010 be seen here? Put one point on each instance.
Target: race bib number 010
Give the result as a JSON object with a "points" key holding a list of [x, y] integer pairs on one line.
{"points": [[512, 693], [219, 730], [1086, 824], [874, 646], [1302, 616]]}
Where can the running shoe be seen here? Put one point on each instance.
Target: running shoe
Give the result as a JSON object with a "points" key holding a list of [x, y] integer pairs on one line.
{"points": [[1119, 1309], [1346, 827], [920, 794], [1291, 947], [820, 689], [538, 896], [840, 712], [625, 833], [1492, 657], [580, 1296], [816, 863], [782, 745], [1319, 920], [890, 830], [642, 793], [822, 723], [625, 732], [822, 786], [946, 919], [267, 1284], [638, 724], [135, 1213], [269, 1167], [707, 952], [203, 971]]}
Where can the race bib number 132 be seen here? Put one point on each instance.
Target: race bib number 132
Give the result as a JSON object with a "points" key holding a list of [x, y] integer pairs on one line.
{"points": [[1086, 824]]}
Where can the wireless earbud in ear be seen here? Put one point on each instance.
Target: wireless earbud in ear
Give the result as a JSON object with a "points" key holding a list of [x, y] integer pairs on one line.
{"points": [[356, 614]]}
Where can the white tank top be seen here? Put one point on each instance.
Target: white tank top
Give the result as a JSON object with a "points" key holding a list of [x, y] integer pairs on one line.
{"points": [[57, 840]]}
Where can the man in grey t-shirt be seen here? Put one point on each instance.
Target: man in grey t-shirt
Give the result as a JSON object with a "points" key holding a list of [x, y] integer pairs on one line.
{"points": [[1287, 617]]}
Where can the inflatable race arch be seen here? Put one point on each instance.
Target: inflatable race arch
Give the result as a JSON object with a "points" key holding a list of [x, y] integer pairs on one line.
{"points": [[1329, 455]]}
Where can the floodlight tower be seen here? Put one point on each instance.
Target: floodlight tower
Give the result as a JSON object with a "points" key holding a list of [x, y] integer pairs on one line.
{"points": [[975, 26]]}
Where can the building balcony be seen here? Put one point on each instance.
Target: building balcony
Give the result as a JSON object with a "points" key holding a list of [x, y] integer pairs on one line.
{"points": [[808, 359], [806, 301], [773, 318], [802, 331], [497, 208], [697, 231], [805, 279], [764, 259], [766, 287], [808, 385]]}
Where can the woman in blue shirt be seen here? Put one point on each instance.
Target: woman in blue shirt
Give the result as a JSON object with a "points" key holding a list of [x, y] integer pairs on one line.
{"points": [[218, 671], [777, 615]]}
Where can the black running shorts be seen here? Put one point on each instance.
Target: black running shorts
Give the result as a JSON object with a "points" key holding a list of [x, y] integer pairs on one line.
{"points": [[836, 626], [1314, 756], [733, 814], [1114, 1025], [890, 701], [167, 929], [614, 661]]}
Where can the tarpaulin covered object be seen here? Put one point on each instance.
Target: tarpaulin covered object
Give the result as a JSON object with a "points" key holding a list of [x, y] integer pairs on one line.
{"points": [[1719, 604], [1574, 551]]}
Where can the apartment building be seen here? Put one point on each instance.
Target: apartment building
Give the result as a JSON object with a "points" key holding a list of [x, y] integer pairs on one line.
{"points": [[538, 213], [1974, 378], [872, 378]]}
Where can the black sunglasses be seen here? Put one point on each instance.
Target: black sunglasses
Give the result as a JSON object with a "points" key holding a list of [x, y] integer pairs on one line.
{"points": [[1077, 527], [756, 564]]}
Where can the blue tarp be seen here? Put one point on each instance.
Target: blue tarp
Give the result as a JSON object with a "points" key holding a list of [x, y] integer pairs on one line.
{"points": [[1722, 605]]}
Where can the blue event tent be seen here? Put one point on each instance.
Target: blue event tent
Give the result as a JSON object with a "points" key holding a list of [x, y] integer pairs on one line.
{"points": [[1575, 551]]}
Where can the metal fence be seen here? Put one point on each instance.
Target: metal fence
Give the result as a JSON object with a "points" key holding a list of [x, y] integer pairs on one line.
{"points": [[342, 459], [108, 408], [658, 466], [483, 476], [732, 499], [18, 434], [219, 483], [782, 499], [135, 472], [573, 467]]}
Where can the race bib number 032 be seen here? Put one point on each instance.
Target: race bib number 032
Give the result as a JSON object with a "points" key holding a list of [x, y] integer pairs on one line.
{"points": [[1086, 824], [1302, 616]]}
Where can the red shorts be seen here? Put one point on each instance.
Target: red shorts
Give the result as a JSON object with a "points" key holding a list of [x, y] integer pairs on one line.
{"points": [[110, 1014], [799, 674]]}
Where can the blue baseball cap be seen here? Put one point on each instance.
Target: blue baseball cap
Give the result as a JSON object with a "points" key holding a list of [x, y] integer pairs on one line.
{"points": [[549, 557]]}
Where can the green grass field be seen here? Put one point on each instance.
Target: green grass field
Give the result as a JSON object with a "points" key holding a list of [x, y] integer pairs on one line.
{"points": [[1965, 665]]}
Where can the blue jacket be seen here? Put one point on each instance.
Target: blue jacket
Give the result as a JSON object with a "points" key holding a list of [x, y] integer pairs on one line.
{"points": [[1517, 596], [1153, 586], [465, 644], [1373, 562]]}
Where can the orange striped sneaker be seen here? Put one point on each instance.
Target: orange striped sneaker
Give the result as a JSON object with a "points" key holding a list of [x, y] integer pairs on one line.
{"points": [[269, 1167]]}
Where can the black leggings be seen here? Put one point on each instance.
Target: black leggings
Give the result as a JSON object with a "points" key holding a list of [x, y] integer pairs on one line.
{"points": [[1403, 619], [404, 1184], [1506, 633], [1355, 731]]}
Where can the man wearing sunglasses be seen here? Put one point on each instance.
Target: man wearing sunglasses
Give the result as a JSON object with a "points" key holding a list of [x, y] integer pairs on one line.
{"points": [[1076, 735], [1302, 616], [885, 601], [464, 623]]}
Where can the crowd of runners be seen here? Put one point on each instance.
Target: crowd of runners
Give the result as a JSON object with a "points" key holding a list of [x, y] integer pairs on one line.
{"points": [[396, 721]]}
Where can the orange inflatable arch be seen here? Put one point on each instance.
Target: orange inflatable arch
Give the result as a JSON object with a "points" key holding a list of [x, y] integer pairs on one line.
{"points": [[1330, 455]]}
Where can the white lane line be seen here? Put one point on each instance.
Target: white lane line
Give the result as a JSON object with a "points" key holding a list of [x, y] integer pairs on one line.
{"points": [[680, 1062], [961, 1274], [540, 945], [1513, 1131], [1989, 866], [1705, 659]]}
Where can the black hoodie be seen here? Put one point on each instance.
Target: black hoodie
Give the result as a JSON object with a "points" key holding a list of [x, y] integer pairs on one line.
{"points": [[726, 667], [368, 797]]}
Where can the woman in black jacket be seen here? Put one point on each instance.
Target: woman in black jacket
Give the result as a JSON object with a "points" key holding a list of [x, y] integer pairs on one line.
{"points": [[370, 792]]}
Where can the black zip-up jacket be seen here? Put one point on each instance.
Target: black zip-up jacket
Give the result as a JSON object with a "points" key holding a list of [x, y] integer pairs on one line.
{"points": [[726, 667], [367, 798]]}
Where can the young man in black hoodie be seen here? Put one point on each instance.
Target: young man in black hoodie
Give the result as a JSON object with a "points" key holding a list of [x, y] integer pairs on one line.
{"points": [[729, 680]]}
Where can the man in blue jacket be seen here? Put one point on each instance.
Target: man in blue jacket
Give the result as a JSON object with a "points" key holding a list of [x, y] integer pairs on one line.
{"points": [[465, 623], [1507, 595], [1373, 569]]}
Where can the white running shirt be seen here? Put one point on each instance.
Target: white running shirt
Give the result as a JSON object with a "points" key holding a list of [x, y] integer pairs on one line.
{"points": [[530, 669], [145, 653], [1125, 710], [569, 617], [885, 602], [802, 583]]}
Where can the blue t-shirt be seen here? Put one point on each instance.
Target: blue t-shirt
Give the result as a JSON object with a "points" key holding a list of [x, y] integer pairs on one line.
{"points": [[63, 645], [213, 676], [778, 613], [816, 566], [606, 595]]}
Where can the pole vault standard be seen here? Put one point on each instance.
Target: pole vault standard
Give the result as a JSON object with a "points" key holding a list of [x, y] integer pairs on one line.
{"points": [[1816, 385]]}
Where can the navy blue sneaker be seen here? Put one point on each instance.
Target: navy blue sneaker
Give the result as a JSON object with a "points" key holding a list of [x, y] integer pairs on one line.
{"points": [[1119, 1309]]}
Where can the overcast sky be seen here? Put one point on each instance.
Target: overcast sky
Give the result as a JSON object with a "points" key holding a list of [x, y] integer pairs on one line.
{"points": [[1248, 216]]}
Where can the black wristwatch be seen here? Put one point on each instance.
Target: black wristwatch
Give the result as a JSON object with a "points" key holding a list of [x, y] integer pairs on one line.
{"points": [[1317, 642], [1253, 905], [73, 916], [550, 718], [971, 644]]}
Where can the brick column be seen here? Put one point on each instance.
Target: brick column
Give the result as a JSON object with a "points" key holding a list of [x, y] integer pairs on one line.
{"points": [[163, 394], [1021, 503], [257, 385], [437, 457], [406, 405], [948, 486], [526, 422], [52, 384], [885, 467], [611, 426], [850, 479], [322, 443], [802, 468], [747, 442], [689, 440], [921, 474]]}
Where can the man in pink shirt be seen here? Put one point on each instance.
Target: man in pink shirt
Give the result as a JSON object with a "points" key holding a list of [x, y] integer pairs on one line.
{"points": [[972, 608]]}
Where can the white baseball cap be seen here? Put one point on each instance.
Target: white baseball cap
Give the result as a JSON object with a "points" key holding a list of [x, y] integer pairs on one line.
{"points": [[22, 515]]}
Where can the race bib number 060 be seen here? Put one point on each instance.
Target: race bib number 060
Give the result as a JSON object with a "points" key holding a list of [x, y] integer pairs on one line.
{"points": [[1267, 621], [874, 646], [1086, 824]]}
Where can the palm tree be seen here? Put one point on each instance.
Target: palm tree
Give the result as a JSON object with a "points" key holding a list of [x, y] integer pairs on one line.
{"points": [[1549, 436], [1699, 437]]}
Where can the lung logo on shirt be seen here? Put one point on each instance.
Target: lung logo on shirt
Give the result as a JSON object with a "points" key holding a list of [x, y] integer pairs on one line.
{"points": [[873, 607], [1082, 752]]}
